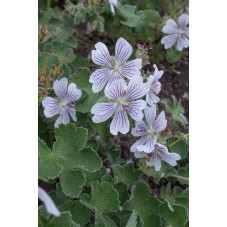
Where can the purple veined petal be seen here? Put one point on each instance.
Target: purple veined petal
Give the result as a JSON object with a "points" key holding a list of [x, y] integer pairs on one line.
{"points": [[140, 129], [72, 111], [123, 50], [156, 87], [183, 20], [116, 89], [48, 202], [115, 76], [160, 123], [131, 68], [149, 146], [135, 109], [170, 158], [186, 32], [151, 98], [169, 40], [101, 55], [150, 114], [102, 111], [136, 88], [182, 42], [113, 2], [150, 79], [157, 73], [155, 161], [62, 119], [120, 122], [99, 78], [170, 27], [73, 93], [52, 107], [141, 141], [138, 154], [60, 88]]}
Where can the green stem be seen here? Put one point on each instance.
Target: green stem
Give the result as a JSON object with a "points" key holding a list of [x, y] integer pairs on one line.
{"points": [[48, 3], [176, 141], [183, 178]]}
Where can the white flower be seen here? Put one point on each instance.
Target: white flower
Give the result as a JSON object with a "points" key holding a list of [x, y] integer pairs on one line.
{"points": [[48, 202], [122, 101], [113, 67], [64, 104], [179, 34], [147, 145], [155, 86], [112, 4]]}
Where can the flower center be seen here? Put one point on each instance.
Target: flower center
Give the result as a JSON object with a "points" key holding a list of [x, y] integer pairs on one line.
{"points": [[121, 101], [180, 31], [63, 104]]}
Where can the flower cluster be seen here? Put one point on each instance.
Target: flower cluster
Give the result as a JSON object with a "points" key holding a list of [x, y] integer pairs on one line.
{"points": [[124, 91], [179, 34]]}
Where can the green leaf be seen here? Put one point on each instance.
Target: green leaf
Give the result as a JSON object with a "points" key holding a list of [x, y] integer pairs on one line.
{"points": [[65, 220], [132, 18], [107, 178], [175, 109], [103, 220], [132, 222], [183, 199], [58, 196], [93, 144], [183, 175], [176, 218], [52, 60], [80, 213], [180, 148], [103, 198], [103, 129], [152, 16], [145, 205], [169, 195], [43, 216], [60, 33], [60, 51], [113, 155], [95, 176], [78, 63], [122, 191], [173, 55], [126, 174], [68, 152], [165, 171], [81, 79]]}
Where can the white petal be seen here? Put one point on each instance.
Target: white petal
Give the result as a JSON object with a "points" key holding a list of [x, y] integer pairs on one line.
{"points": [[149, 146], [115, 76], [120, 122], [182, 42], [136, 88], [155, 161], [48, 202], [160, 123], [123, 50], [135, 109], [99, 78], [140, 129], [157, 73], [151, 98], [60, 88], [73, 93], [140, 154], [103, 111], [131, 68], [116, 89], [114, 2], [170, 158], [62, 119], [156, 87], [183, 20], [150, 114], [52, 107], [186, 32], [72, 111], [141, 141], [101, 55], [170, 27], [112, 9], [169, 40]]}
